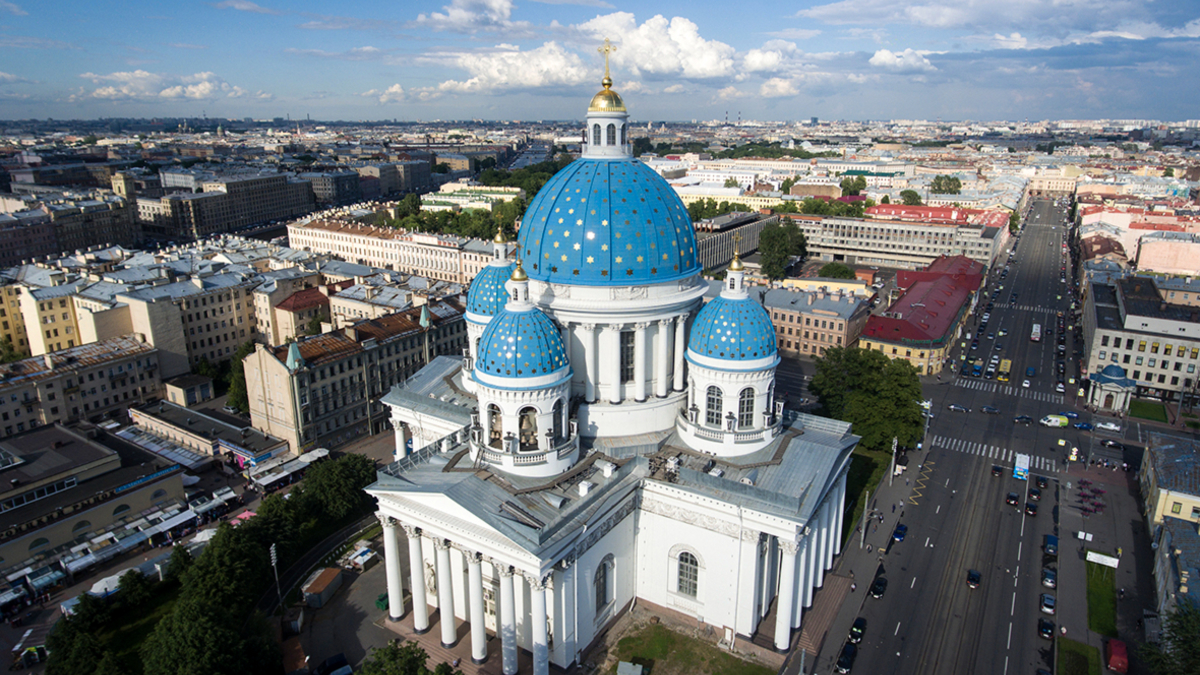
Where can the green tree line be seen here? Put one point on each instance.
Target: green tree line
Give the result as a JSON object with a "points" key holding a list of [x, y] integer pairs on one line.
{"points": [[881, 397]]}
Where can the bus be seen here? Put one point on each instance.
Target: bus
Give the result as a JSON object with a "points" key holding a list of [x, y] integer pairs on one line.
{"points": [[1036, 335], [1021, 467], [1005, 369]]}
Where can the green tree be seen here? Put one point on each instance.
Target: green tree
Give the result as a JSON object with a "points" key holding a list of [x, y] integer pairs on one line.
{"points": [[1169, 172], [886, 200], [853, 185], [90, 139], [207, 369], [836, 270], [197, 638], [946, 185], [314, 324], [8, 353], [410, 205], [74, 651], [337, 486], [1014, 222], [788, 183], [91, 613], [237, 377], [879, 396], [441, 167], [777, 245], [1178, 651], [406, 659], [179, 563], [910, 197], [133, 589]]}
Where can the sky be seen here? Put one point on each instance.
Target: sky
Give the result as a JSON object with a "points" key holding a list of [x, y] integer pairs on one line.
{"points": [[537, 59]]}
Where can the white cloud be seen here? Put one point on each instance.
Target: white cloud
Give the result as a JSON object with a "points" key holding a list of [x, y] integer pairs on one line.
{"points": [[367, 53], [907, 61], [662, 46], [392, 93], [548, 65], [147, 86], [770, 57], [729, 93], [245, 6], [795, 33], [469, 16], [778, 87], [9, 78], [582, 3], [675, 89], [12, 8]]}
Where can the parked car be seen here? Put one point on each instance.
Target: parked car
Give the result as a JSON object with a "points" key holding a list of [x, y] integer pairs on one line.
{"points": [[878, 587], [901, 530], [1108, 426], [231, 410], [1049, 578], [1042, 482], [1069, 414], [1035, 494], [1046, 603], [846, 661], [857, 630], [1045, 629], [1030, 509], [958, 408], [1012, 499], [1023, 419], [987, 409], [974, 578], [997, 470], [1083, 426]]}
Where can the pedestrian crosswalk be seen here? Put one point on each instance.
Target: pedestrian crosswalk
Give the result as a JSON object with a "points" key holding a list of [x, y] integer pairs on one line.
{"points": [[1009, 390], [993, 452], [1025, 308]]}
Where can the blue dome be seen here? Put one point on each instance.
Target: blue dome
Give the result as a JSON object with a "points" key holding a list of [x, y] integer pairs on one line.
{"points": [[487, 295], [1114, 371], [733, 330], [522, 343], [607, 222]]}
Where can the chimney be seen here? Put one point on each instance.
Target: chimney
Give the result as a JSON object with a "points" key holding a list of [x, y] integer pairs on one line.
{"points": [[585, 487], [811, 298]]}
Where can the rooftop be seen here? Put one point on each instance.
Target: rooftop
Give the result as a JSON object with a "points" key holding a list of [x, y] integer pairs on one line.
{"points": [[73, 359]]}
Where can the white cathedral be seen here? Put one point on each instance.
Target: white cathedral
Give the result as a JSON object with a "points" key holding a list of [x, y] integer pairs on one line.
{"points": [[609, 437]]}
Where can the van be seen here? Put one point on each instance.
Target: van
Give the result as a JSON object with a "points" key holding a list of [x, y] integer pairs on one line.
{"points": [[1050, 545], [1054, 421], [1115, 656]]}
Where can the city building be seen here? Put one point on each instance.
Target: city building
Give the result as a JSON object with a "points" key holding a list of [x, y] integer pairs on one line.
{"points": [[1127, 322], [72, 494], [224, 204], [809, 322], [719, 239], [334, 187], [691, 495], [85, 382], [1170, 486], [206, 434], [462, 196], [324, 390]]}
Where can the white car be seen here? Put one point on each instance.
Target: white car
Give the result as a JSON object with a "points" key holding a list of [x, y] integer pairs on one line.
{"points": [[1108, 426], [1025, 384]]}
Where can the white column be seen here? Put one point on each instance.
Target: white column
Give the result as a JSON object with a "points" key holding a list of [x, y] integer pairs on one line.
{"points": [[664, 337], [591, 382], [639, 362], [787, 590], [445, 593], [832, 528], [680, 325], [822, 542], [614, 363], [840, 521], [508, 621], [391, 559], [401, 450], [541, 642], [565, 608], [802, 581], [475, 594], [416, 570], [813, 540]]}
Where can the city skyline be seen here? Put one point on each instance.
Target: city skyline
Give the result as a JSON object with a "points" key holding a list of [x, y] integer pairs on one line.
{"points": [[531, 60]]}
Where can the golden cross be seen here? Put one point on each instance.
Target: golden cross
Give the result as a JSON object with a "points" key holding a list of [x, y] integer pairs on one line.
{"points": [[607, 49]]}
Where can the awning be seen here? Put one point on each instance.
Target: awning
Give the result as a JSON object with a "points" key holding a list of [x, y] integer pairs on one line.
{"points": [[12, 594], [47, 580], [82, 563]]}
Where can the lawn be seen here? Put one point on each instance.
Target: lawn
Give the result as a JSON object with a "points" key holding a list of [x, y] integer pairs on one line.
{"points": [[1102, 599], [1148, 410], [867, 468], [1076, 658], [665, 652], [133, 626]]}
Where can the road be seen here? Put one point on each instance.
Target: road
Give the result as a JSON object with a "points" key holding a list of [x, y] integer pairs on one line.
{"points": [[929, 621]]}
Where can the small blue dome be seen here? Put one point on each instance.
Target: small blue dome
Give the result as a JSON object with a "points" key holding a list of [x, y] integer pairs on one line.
{"points": [[1114, 371], [523, 343], [734, 330], [607, 222], [487, 295]]}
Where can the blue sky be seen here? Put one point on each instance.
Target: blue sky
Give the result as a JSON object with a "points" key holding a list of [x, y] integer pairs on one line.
{"points": [[530, 60]]}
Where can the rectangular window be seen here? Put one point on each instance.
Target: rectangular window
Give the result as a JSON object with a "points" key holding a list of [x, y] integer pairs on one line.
{"points": [[1102, 355], [1128, 343], [627, 356], [1176, 507], [1154, 348], [1137, 374], [1103, 341], [1151, 362], [1138, 361], [1141, 345]]}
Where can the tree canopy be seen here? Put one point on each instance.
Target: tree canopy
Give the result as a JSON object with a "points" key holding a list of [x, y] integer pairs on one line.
{"points": [[237, 377], [732, 183], [946, 185], [836, 270], [710, 208], [910, 197], [880, 397], [777, 245], [1178, 651], [821, 207], [853, 185], [406, 659]]}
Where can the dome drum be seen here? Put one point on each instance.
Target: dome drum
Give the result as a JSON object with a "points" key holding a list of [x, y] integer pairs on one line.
{"points": [[527, 433], [730, 414]]}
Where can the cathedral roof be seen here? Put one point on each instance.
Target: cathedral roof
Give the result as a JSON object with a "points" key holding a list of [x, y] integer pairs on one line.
{"points": [[607, 222], [733, 329], [487, 295], [521, 344]]}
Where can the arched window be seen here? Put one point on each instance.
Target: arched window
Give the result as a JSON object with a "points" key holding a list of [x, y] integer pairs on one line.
{"points": [[529, 429], [38, 543], [623, 141], [746, 408], [558, 421], [495, 426], [601, 584], [596, 134], [689, 574], [158, 494], [612, 134], [120, 510], [80, 526], [712, 407]]}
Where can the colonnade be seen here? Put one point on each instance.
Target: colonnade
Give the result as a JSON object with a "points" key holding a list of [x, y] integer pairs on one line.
{"points": [[803, 563], [445, 588], [669, 338]]}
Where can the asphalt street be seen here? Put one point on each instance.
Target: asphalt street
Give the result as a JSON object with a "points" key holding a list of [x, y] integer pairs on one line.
{"points": [[929, 621]]}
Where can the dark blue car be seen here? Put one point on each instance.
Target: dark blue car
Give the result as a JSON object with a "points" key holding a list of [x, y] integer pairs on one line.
{"points": [[901, 530]]}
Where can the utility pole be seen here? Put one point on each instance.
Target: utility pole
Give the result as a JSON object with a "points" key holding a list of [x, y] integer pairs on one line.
{"points": [[276, 569], [892, 470], [862, 540]]}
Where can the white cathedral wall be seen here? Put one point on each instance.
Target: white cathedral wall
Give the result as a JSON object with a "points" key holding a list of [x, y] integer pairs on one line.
{"points": [[620, 544]]}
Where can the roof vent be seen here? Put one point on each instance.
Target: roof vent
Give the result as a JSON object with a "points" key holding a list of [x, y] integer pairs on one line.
{"points": [[585, 487], [717, 472], [606, 467]]}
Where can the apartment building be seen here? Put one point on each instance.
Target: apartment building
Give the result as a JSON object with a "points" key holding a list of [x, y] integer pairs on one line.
{"points": [[12, 321], [439, 257], [461, 196], [26, 235], [225, 204], [334, 187], [101, 221], [1126, 322], [718, 238], [324, 390], [923, 323], [809, 322], [205, 434], [49, 316], [84, 382], [365, 301], [888, 242], [1170, 488], [277, 286]]}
